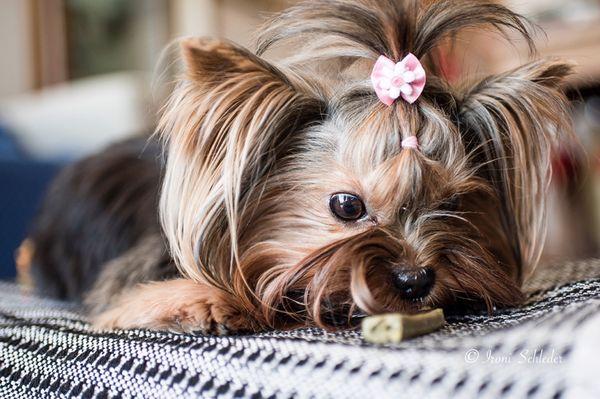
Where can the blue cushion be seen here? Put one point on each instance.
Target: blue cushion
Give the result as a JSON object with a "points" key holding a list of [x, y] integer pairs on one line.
{"points": [[22, 184]]}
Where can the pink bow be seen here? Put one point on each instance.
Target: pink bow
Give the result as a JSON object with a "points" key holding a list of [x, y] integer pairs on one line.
{"points": [[404, 79]]}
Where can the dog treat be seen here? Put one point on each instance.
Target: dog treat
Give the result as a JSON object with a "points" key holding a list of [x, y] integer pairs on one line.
{"points": [[396, 327]]}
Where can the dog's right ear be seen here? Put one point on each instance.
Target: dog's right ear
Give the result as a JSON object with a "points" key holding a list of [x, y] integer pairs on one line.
{"points": [[210, 62], [229, 124]]}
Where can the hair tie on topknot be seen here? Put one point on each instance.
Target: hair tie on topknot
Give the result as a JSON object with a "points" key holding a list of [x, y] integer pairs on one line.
{"points": [[404, 79], [410, 142]]}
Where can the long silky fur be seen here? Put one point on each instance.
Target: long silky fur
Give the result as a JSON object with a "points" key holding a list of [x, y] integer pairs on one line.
{"points": [[255, 148]]}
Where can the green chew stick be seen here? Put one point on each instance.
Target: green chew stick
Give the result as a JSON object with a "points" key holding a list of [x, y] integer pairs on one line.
{"points": [[396, 327]]}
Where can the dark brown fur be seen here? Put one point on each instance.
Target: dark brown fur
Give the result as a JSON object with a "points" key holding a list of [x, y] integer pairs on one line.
{"points": [[95, 211]]}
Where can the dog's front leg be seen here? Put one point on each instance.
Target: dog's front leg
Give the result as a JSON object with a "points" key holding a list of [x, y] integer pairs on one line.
{"points": [[178, 305]]}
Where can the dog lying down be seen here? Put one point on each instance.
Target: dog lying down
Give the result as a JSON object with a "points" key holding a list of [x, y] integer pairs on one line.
{"points": [[349, 177]]}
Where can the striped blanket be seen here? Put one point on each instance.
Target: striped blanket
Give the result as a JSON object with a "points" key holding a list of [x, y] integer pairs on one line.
{"points": [[548, 348]]}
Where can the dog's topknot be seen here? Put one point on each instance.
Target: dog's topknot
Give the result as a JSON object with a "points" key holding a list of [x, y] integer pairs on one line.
{"points": [[366, 29]]}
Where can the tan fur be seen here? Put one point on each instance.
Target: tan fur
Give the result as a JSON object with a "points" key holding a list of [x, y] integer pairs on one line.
{"points": [[23, 257], [256, 149], [147, 261], [190, 306]]}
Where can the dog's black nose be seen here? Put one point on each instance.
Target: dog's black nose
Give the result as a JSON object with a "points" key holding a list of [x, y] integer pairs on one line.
{"points": [[414, 283]]}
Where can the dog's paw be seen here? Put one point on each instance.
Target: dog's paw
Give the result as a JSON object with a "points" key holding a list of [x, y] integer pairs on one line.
{"points": [[176, 305]]}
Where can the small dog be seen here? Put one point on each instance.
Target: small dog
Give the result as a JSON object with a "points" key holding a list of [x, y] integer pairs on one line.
{"points": [[347, 178]]}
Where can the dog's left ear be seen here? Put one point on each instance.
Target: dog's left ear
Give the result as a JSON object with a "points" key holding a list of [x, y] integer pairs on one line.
{"points": [[510, 123]]}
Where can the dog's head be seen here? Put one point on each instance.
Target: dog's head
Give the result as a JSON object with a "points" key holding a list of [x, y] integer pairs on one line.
{"points": [[287, 185]]}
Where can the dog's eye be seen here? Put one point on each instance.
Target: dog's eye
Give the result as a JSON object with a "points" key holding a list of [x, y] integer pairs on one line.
{"points": [[347, 207]]}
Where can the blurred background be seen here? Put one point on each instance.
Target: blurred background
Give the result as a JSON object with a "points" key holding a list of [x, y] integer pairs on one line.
{"points": [[76, 75]]}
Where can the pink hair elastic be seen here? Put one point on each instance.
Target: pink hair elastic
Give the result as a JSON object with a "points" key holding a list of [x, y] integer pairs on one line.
{"points": [[404, 79], [410, 142]]}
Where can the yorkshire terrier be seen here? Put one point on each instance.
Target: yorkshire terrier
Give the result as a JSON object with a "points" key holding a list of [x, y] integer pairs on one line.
{"points": [[348, 178]]}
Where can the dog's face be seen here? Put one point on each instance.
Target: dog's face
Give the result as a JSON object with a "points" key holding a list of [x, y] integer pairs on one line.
{"points": [[289, 187]]}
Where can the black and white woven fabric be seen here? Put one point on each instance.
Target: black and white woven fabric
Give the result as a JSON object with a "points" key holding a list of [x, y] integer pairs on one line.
{"points": [[549, 348]]}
